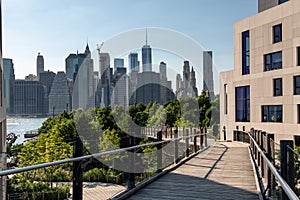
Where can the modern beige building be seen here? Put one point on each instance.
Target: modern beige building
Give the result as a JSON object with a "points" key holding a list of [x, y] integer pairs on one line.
{"points": [[2, 121], [263, 89]]}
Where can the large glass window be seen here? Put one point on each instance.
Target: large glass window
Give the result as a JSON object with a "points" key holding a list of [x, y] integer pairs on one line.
{"points": [[272, 113], [277, 33], [277, 89], [298, 113], [273, 61], [242, 104], [298, 56], [245, 53], [296, 85]]}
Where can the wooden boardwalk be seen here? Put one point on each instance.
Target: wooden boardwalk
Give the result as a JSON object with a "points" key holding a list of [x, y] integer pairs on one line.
{"points": [[222, 172]]}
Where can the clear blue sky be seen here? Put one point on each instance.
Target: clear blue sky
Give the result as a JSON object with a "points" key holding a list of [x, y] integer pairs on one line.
{"points": [[57, 28]]}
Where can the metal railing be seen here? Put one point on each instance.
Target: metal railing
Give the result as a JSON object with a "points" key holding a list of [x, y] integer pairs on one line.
{"points": [[180, 150], [269, 171]]}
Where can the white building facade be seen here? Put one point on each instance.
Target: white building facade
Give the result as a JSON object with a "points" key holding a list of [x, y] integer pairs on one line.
{"points": [[263, 89]]}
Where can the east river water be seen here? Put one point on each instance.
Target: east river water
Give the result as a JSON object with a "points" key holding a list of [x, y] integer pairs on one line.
{"points": [[19, 126]]}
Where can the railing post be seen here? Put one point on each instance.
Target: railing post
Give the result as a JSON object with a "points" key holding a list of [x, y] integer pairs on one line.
{"points": [[131, 174], [286, 165], [195, 140], [77, 171], [258, 142], [270, 176], [201, 138], [205, 136], [262, 166], [159, 152], [176, 145], [187, 145]]}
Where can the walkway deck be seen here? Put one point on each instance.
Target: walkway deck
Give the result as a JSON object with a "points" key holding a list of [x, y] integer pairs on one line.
{"points": [[222, 172]]}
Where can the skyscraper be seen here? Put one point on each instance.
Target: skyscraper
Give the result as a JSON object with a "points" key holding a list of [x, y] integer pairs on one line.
{"points": [[163, 70], [29, 98], [208, 79], [83, 90], [186, 86], [147, 56], [59, 97], [104, 88], [39, 64], [133, 62], [8, 84], [119, 88], [118, 63]]}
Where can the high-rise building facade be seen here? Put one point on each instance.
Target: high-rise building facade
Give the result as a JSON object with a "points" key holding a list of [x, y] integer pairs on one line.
{"points": [[8, 84], [262, 91], [133, 62], [186, 86], [208, 78], [118, 63], [104, 88], [60, 96], [3, 154], [83, 95], [148, 87], [147, 58], [120, 88], [29, 98], [46, 78], [39, 64]]}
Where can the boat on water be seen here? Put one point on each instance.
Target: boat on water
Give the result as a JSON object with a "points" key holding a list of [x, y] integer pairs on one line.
{"points": [[31, 134]]}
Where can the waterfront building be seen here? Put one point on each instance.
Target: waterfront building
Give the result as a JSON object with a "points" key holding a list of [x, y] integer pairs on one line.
{"points": [[60, 96], [208, 78], [263, 89], [46, 78], [8, 84], [39, 64], [29, 98]]}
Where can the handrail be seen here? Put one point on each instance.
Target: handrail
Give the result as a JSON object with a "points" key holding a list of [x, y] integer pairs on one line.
{"points": [[59, 162], [289, 192]]}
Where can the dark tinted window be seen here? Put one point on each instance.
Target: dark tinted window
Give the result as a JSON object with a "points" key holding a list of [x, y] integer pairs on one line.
{"points": [[242, 104], [277, 87], [272, 113], [273, 61], [277, 33]]}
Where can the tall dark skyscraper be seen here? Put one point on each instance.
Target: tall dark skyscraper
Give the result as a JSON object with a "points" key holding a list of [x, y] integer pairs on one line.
{"points": [[133, 62], [8, 84], [147, 56], [39, 64], [208, 79]]}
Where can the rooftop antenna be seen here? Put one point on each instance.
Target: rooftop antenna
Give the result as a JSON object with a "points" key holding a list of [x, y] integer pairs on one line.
{"points": [[146, 37]]}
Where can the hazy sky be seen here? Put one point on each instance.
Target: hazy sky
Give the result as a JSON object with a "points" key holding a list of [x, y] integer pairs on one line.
{"points": [[56, 28]]}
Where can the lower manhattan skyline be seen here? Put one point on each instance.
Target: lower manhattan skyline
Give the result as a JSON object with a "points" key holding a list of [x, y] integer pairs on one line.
{"points": [[56, 29]]}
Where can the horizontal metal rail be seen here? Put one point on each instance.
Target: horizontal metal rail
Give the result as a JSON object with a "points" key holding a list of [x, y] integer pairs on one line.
{"points": [[289, 192], [115, 151]]}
